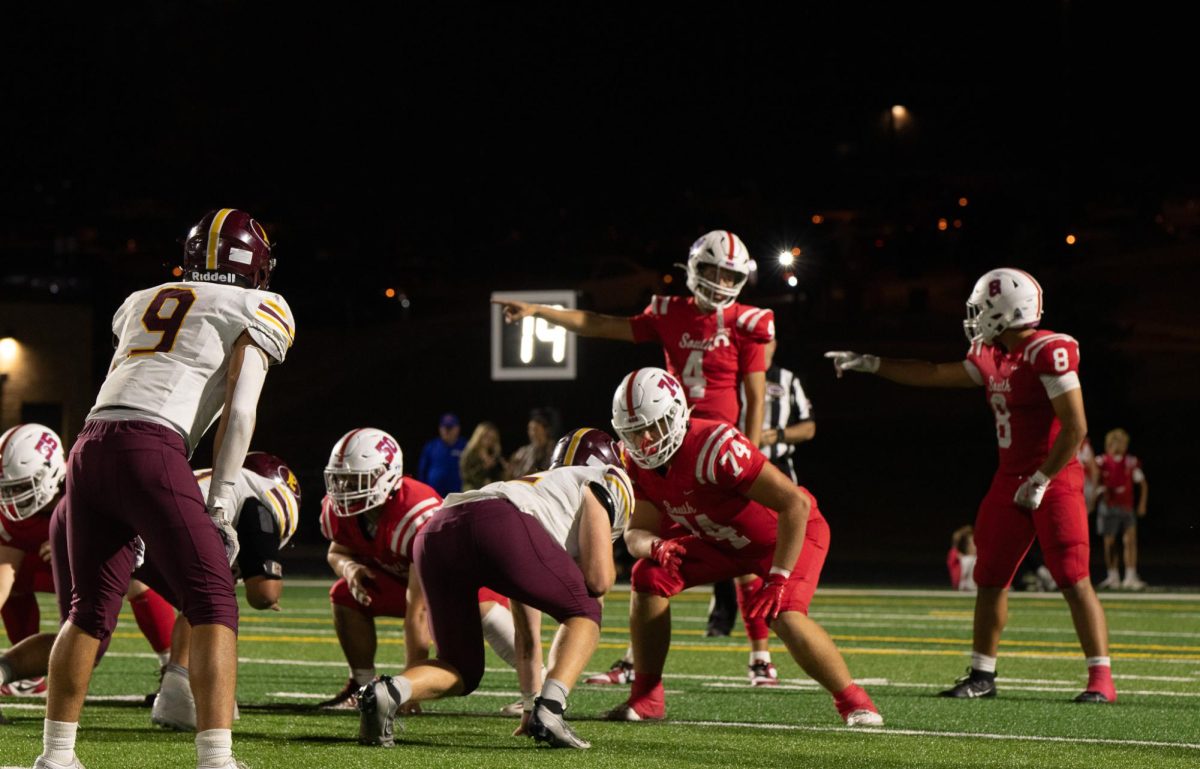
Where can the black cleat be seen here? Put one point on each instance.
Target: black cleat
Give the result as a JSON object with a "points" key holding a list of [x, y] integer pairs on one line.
{"points": [[378, 702], [971, 686], [1090, 696]]}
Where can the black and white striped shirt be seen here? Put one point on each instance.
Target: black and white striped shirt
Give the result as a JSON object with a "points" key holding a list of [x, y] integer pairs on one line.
{"points": [[785, 404]]}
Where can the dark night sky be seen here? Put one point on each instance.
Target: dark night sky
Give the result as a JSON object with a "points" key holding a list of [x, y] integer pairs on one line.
{"points": [[452, 149]]}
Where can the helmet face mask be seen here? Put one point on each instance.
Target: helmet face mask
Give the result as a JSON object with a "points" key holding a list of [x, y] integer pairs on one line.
{"points": [[650, 416], [1001, 300], [32, 470], [366, 466], [718, 267]]}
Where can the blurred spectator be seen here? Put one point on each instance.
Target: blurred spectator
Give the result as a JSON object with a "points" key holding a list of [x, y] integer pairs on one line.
{"points": [[961, 559], [1119, 472], [483, 460], [534, 456], [439, 459]]}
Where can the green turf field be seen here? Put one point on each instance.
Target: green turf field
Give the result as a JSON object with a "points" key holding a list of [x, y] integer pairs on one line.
{"points": [[902, 645]]}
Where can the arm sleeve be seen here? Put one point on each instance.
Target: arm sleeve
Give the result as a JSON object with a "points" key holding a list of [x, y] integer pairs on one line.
{"points": [[258, 535], [240, 426]]}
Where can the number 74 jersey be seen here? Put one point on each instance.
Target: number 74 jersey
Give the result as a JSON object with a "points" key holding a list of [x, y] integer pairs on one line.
{"points": [[704, 489], [1020, 385], [173, 344]]}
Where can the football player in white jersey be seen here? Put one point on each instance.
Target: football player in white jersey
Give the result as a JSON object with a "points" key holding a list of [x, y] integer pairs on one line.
{"points": [[545, 541], [267, 505], [187, 353]]}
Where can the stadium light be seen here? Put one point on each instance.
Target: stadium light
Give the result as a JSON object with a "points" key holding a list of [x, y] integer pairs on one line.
{"points": [[792, 281], [786, 259]]}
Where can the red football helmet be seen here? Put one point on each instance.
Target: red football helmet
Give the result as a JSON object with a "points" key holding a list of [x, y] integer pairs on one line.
{"points": [[273, 468], [586, 446], [225, 245]]}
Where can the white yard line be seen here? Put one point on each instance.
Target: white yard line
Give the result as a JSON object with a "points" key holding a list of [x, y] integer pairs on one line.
{"points": [[887, 732]]}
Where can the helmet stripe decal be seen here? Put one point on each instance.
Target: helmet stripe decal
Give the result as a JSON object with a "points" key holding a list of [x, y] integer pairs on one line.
{"points": [[629, 394], [346, 442], [214, 234], [731, 251], [569, 458]]}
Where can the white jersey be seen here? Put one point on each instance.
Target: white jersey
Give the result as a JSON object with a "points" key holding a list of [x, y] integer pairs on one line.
{"points": [[275, 496], [173, 343], [553, 497]]}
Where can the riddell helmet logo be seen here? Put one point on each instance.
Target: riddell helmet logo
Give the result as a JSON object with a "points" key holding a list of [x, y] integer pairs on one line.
{"points": [[212, 277]]}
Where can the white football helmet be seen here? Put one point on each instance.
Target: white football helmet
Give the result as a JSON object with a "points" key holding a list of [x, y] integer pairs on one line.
{"points": [[725, 252], [1002, 299], [32, 469], [650, 416], [365, 466]]}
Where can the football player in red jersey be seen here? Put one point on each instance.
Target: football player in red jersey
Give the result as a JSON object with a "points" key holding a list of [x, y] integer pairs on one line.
{"points": [[741, 515], [712, 343], [32, 471], [371, 515], [1031, 378]]}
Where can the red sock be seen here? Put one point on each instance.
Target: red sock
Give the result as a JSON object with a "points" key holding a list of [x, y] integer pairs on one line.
{"points": [[756, 628], [22, 618], [646, 685], [156, 619], [853, 698], [1100, 680]]}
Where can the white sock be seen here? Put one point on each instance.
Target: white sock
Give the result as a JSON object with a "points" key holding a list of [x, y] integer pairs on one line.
{"points": [[58, 739], [1099, 661], [983, 663], [164, 657], [362, 676], [404, 686], [5, 671], [1114, 575], [1130, 573], [555, 691], [628, 654], [760, 657], [214, 748], [498, 631]]}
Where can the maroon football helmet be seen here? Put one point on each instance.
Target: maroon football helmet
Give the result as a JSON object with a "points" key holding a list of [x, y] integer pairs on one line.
{"points": [[273, 468], [225, 245], [583, 447]]}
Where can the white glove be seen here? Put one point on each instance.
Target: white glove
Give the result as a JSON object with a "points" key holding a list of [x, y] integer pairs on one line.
{"points": [[844, 360], [221, 504], [1032, 490]]}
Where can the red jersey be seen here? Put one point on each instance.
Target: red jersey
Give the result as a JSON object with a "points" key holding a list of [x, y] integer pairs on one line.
{"points": [[389, 544], [704, 486], [710, 353], [1117, 477], [28, 535], [1020, 384]]}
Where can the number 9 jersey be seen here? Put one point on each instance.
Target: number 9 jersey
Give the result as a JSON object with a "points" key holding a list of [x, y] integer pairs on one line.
{"points": [[173, 345]]}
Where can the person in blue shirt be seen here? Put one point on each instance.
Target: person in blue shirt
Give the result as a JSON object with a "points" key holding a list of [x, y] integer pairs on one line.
{"points": [[440, 457]]}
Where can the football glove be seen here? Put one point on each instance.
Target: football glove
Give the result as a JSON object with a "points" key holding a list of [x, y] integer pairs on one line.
{"points": [[1030, 494], [767, 601], [844, 360]]}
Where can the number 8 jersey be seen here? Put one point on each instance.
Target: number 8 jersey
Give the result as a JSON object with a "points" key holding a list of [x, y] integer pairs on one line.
{"points": [[1020, 385], [173, 344]]}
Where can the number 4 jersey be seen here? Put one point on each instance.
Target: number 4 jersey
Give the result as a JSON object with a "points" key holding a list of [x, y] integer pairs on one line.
{"points": [[173, 346], [709, 352], [704, 489], [1020, 385]]}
